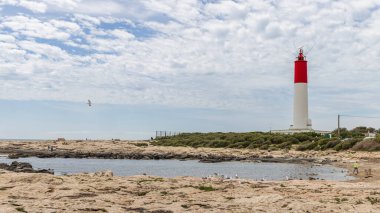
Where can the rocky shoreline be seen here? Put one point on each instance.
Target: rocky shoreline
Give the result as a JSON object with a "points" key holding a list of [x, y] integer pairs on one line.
{"points": [[23, 167], [103, 192], [204, 158], [26, 192], [134, 150]]}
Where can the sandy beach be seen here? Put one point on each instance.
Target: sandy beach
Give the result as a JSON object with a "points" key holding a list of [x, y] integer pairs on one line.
{"points": [[103, 192]]}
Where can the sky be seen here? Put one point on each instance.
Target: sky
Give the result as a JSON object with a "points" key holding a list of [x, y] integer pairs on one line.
{"points": [[189, 65]]}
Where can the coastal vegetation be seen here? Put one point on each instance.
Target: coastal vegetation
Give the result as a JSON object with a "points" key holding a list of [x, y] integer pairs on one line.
{"points": [[205, 188], [349, 139]]}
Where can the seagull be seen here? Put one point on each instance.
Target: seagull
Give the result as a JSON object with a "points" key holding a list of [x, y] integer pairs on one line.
{"points": [[89, 103]]}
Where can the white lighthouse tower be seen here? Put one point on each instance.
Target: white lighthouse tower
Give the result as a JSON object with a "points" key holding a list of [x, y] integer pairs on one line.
{"points": [[301, 119]]}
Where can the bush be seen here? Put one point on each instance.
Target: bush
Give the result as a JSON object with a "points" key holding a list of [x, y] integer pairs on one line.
{"points": [[307, 146], [367, 145], [266, 141], [377, 137], [331, 144], [286, 145], [264, 147]]}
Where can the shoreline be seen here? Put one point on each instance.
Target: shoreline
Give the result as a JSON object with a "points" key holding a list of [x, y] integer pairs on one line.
{"points": [[134, 150], [103, 149], [104, 192]]}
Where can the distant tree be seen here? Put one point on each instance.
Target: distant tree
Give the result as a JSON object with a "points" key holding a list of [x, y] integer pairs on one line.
{"points": [[344, 133], [371, 129], [359, 131]]}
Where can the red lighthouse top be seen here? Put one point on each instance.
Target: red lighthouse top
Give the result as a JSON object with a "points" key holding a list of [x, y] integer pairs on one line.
{"points": [[300, 68]]}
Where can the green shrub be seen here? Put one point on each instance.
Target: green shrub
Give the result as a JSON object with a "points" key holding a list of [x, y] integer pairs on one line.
{"points": [[285, 145], [264, 147], [377, 139], [331, 144], [266, 140], [307, 145], [206, 188]]}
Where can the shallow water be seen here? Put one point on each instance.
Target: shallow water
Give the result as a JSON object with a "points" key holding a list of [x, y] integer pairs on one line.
{"points": [[173, 168]]}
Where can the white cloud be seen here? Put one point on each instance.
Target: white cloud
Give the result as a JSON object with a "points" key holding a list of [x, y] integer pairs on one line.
{"points": [[121, 34], [225, 54], [68, 4], [32, 27], [52, 52], [7, 38], [37, 7], [66, 25], [34, 6]]}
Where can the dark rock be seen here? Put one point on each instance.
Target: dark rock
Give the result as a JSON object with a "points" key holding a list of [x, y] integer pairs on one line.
{"points": [[23, 167], [210, 161]]}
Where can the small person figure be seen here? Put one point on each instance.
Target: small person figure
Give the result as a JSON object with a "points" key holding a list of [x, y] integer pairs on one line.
{"points": [[356, 168]]}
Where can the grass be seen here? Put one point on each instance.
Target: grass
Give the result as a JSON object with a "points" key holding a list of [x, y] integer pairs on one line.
{"points": [[143, 193], [150, 180], [338, 200], [185, 206], [358, 202], [373, 200], [20, 209], [141, 144], [206, 188]]}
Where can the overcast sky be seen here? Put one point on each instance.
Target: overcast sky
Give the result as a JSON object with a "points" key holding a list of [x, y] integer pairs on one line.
{"points": [[185, 65]]}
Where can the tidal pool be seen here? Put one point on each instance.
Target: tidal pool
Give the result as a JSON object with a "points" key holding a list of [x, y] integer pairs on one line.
{"points": [[174, 168]]}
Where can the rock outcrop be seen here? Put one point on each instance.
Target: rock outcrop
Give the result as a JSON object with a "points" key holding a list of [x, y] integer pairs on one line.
{"points": [[23, 167]]}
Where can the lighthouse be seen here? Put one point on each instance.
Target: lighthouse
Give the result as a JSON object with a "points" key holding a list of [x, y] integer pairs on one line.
{"points": [[301, 119]]}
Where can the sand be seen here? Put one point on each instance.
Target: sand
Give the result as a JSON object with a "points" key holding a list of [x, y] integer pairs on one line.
{"points": [[106, 193]]}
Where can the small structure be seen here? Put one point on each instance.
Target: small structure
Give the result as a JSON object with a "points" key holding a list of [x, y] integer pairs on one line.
{"points": [[369, 135], [61, 139]]}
